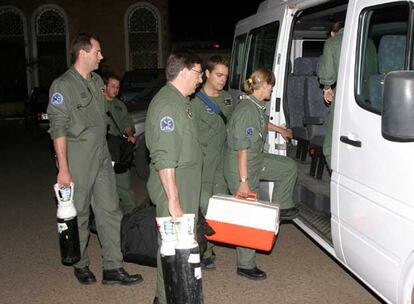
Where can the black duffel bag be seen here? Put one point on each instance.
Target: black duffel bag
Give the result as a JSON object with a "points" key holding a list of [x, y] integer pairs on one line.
{"points": [[139, 237], [122, 152]]}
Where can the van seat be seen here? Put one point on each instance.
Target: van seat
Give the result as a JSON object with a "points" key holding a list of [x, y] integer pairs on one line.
{"points": [[302, 67], [316, 118], [391, 56]]}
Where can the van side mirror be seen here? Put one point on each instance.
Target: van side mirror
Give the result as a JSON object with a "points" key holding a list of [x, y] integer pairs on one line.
{"points": [[398, 106]]}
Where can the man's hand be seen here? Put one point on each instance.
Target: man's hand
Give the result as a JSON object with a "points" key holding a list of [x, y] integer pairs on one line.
{"points": [[129, 133], [328, 95], [64, 178], [132, 139], [243, 189], [174, 208]]}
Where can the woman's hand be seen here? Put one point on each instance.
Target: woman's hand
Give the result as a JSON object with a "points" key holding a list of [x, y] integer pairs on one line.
{"points": [[287, 134], [243, 189]]}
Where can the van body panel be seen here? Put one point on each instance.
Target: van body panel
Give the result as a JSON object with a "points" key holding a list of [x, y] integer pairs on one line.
{"points": [[336, 219], [375, 192]]}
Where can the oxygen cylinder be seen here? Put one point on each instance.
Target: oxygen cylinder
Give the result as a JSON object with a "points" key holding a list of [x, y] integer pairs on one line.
{"points": [[67, 224], [167, 253], [188, 288]]}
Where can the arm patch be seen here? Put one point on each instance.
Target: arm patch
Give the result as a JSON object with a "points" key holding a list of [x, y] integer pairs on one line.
{"points": [[56, 99], [167, 124]]}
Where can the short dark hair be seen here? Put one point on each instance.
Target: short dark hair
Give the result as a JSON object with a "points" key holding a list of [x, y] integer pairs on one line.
{"points": [[179, 60], [211, 63], [336, 26], [80, 42], [110, 75]]}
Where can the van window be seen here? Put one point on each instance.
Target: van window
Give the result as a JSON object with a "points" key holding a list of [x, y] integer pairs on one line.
{"points": [[238, 60], [381, 49], [312, 48], [262, 47]]}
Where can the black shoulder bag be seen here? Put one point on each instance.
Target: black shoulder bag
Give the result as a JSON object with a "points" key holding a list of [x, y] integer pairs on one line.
{"points": [[121, 150]]}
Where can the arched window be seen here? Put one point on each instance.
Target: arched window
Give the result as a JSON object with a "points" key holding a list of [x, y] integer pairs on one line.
{"points": [[13, 55], [143, 42], [50, 43]]}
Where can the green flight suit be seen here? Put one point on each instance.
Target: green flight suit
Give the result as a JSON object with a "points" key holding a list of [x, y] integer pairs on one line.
{"points": [[172, 140], [212, 135], [328, 74], [247, 129], [123, 180], [77, 111]]}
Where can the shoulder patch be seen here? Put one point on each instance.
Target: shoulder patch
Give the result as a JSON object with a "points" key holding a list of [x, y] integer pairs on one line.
{"points": [[249, 132], [209, 110], [167, 124], [56, 99]]}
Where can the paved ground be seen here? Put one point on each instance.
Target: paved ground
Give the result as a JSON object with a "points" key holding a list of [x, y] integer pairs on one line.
{"points": [[298, 271]]}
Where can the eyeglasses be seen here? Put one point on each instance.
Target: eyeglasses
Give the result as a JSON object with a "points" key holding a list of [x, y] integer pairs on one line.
{"points": [[201, 73]]}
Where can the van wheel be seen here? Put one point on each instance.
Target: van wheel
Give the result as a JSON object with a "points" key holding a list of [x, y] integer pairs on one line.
{"points": [[142, 159]]}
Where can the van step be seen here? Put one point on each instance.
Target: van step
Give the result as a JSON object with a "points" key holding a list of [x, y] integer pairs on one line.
{"points": [[318, 221]]}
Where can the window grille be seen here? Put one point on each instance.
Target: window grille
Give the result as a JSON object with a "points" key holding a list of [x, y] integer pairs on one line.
{"points": [[50, 30], [11, 25], [143, 38], [50, 25]]}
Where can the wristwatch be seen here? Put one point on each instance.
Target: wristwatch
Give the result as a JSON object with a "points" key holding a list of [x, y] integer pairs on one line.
{"points": [[243, 179]]}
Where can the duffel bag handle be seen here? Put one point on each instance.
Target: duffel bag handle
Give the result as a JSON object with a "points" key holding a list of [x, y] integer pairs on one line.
{"points": [[251, 197]]}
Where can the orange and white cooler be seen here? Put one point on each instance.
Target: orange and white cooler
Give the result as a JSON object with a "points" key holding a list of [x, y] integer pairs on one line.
{"points": [[243, 222]]}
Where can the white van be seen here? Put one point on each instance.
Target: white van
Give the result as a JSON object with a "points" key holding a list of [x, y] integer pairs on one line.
{"points": [[362, 212]]}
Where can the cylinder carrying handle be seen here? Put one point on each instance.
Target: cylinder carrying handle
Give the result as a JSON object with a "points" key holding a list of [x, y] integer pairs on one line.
{"points": [[56, 187]]}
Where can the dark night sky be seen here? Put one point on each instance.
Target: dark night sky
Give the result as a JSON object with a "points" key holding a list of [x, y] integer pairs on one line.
{"points": [[211, 20]]}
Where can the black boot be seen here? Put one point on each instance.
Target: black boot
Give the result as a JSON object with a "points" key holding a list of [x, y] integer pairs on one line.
{"points": [[288, 214], [84, 275], [252, 274], [120, 276]]}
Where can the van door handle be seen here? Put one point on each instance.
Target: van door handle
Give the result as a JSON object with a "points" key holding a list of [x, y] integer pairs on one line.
{"points": [[348, 141]]}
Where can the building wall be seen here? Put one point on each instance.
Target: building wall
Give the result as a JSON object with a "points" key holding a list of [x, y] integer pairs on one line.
{"points": [[105, 20]]}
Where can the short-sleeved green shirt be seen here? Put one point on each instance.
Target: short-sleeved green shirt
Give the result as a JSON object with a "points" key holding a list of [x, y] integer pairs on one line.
{"points": [[172, 140], [77, 108], [77, 111], [170, 131], [210, 126], [120, 114], [247, 129]]}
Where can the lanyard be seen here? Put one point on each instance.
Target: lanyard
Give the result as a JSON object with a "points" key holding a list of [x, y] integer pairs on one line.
{"points": [[258, 105]]}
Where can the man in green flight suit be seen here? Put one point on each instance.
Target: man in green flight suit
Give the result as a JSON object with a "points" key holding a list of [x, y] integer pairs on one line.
{"points": [[212, 135], [78, 123], [171, 137], [120, 125], [328, 73]]}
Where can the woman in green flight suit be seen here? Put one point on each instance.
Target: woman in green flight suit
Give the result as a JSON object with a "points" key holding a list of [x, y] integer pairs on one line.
{"points": [[245, 162]]}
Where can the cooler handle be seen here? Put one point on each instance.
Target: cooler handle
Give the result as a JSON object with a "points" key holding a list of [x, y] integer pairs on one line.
{"points": [[251, 197]]}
